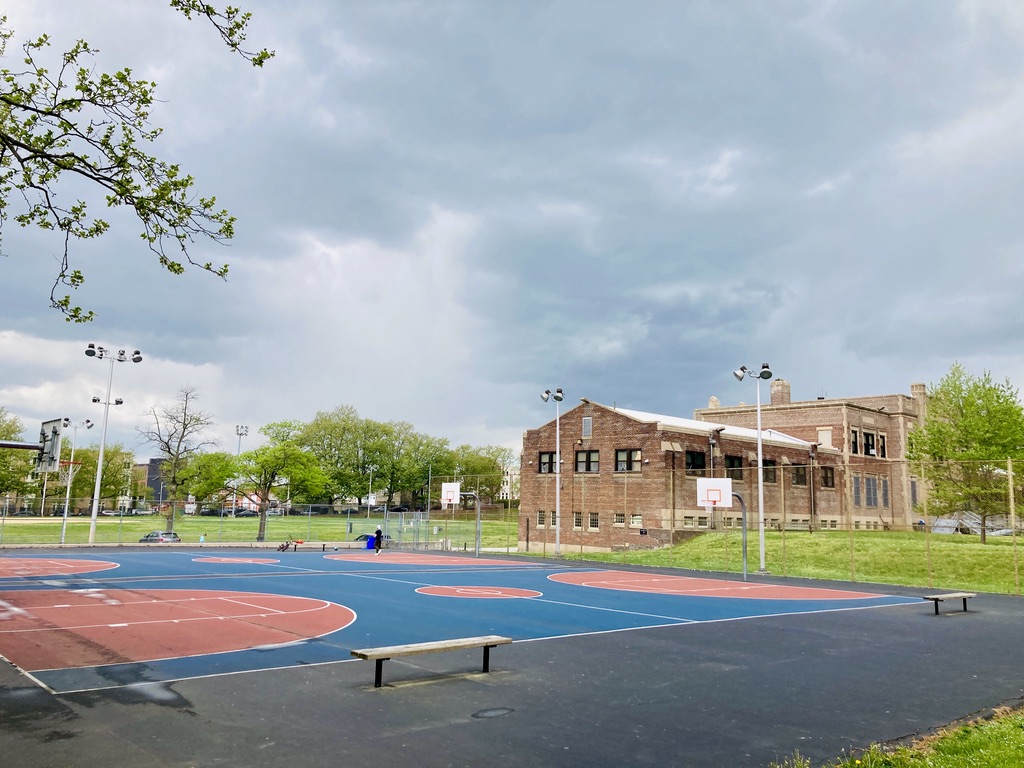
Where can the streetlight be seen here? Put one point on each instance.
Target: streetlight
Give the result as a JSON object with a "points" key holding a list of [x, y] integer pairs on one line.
{"points": [[88, 424], [121, 357], [557, 396], [764, 374], [241, 430]]}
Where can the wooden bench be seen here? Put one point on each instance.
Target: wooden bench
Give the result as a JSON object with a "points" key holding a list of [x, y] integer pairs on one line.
{"points": [[949, 596], [380, 655]]}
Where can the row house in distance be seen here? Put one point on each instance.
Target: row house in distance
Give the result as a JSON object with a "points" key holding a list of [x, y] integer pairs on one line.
{"points": [[880, 488], [629, 480]]}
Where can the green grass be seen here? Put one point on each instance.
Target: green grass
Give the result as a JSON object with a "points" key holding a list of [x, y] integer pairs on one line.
{"points": [[497, 530], [906, 558], [994, 743]]}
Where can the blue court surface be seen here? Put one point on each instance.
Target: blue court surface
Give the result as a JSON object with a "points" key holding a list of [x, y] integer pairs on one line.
{"points": [[395, 599], [238, 657]]}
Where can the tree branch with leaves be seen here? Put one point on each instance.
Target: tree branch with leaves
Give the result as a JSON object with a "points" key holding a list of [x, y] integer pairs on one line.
{"points": [[66, 120]]}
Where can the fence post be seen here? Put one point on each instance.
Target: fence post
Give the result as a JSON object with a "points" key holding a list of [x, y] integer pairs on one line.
{"points": [[1013, 526]]}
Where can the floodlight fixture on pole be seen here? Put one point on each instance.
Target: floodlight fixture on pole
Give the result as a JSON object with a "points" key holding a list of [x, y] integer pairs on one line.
{"points": [[557, 396], [764, 374], [100, 353], [241, 431], [88, 424]]}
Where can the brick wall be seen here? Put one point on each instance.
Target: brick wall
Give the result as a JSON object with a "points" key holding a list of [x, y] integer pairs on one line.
{"points": [[608, 509]]}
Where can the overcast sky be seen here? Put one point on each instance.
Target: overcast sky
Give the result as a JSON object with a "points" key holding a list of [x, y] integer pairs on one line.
{"points": [[446, 207]]}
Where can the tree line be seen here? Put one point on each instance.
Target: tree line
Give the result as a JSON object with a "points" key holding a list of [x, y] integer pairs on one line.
{"points": [[336, 456]]}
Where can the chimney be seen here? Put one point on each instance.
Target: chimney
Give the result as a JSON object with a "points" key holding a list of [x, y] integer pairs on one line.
{"points": [[919, 394], [780, 392]]}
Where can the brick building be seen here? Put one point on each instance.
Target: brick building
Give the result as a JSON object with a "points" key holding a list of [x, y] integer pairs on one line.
{"points": [[629, 479], [880, 489]]}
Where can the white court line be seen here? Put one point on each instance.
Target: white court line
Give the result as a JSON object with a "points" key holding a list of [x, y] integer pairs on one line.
{"points": [[274, 612]]}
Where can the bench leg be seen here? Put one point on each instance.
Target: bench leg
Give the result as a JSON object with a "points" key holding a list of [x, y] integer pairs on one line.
{"points": [[936, 607], [965, 605], [487, 658], [377, 669]]}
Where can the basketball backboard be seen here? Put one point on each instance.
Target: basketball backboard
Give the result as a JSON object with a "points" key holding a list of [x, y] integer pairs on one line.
{"points": [[714, 492]]}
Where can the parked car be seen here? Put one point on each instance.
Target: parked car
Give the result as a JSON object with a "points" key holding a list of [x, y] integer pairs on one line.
{"points": [[160, 537], [400, 508], [247, 513], [368, 536], [213, 512]]}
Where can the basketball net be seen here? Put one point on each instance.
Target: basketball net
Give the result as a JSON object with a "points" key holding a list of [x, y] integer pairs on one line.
{"points": [[67, 471]]}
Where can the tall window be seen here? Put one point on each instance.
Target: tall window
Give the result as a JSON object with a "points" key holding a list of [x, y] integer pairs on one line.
{"points": [[854, 441], [828, 477], [546, 463], [627, 460], [586, 461], [856, 491], [870, 491], [734, 467], [869, 443], [768, 465], [799, 475], [594, 520], [577, 520], [540, 519], [881, 446], [885, 492], [695, 463], [588, 426]]}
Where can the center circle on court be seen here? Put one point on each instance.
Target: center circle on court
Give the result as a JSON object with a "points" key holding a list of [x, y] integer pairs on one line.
{"points": [[479, 592]]}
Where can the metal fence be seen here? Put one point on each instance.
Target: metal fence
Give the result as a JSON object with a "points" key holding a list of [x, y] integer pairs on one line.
{"points": [[23, 524]]}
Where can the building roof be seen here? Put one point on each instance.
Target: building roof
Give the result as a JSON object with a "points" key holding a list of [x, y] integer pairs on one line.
{"points": [[706, 427]]}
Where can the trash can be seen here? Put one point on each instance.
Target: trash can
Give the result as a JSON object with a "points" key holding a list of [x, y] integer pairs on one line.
{"points": [[369, 542]]}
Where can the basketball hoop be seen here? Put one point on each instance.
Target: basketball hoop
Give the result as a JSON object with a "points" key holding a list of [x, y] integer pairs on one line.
{"points": [[67, 471]]}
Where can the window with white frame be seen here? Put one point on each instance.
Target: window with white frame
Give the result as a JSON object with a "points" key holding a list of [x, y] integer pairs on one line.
{"points": [[594, 521], [636, 521], [540, 519], [588, 426], [620, 519], [577, 520]]}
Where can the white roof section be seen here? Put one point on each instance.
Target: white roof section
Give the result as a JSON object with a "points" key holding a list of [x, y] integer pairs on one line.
{"points": [[706, 427]]}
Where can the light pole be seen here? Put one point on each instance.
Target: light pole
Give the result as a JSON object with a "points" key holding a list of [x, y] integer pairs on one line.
{"points": [[121, 357], [88, 424], [241, 431], [764, 374], [557, 396]]}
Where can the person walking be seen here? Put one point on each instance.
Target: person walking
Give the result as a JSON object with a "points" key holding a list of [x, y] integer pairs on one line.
{"points": [[378, 541]]}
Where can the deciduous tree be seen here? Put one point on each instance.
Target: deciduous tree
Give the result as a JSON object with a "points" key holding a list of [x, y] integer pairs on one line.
{"points": [[972, 426]]}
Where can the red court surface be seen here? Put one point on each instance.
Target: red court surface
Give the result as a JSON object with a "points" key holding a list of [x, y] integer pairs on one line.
{"points": [[685, 585], [412, 558], [479, 592], [50, 629], [51, 566]]}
